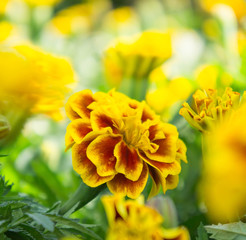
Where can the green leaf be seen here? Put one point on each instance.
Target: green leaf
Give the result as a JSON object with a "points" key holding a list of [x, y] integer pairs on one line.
{"points": [[230, 231], [42, 220], [4, 186], [36, 235], [202, 234], [70, 224], [15, 234]]}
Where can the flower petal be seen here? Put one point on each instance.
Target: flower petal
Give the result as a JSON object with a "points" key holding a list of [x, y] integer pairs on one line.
{"points": [[83, 166], [100, 120], [167, 146], [157, 180], [165, 168], [123, 186], [101, 153], [128, 162], [77, 104], [76, 131], [181, 151], [172, 181]]}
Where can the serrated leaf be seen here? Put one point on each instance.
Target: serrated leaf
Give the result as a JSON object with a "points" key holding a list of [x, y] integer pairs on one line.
{"points": [[202, 234], [42, 220], [36, 235], [70, 224], [4, 225], [4, 186], [230, 231], [15, 234]]}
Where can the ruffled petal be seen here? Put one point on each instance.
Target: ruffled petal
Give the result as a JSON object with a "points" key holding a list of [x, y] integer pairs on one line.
{"points": [[179, 233], [123, 186], [83, 166], [181, 151], [167, 146], [77, 104], [128, 162], [76, 131], [101, 153], [165, 168], [157, 180], [172, 181], [100, 120]]}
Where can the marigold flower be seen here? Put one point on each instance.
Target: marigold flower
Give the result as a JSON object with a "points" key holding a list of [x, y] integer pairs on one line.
{"points": [[79, 18], [3, 5], [223, 182], [34, 80], [122, 20], [212, 77], [132, 220], [168, 92], [210, 108], [238, 6], [118, 141], [6, 30], [136, 57]]}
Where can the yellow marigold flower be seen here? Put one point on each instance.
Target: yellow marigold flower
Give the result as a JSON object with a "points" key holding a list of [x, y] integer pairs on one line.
{"points": [[171, 92], [79, 18], [5, 30], [132, 220], [210, 109], [34, 80], [223, 183], [118, 141], [136, 57], [122, 19], [3, 5], [212, 77], [238, 6]]}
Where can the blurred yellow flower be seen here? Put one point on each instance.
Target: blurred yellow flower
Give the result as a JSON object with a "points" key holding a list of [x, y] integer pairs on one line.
{"points": [[122, 20], [118, 141], [171, 92], [135, 57], [6, 30], [79, 18], [238, 6], [132, 220], [3, 5], [212, 77], [210, 109], [223, 183], [34, 80], [35, 3]]}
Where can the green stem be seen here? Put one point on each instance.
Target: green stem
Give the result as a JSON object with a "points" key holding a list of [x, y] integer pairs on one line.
{"points": [[139, 88], [83, 195]]}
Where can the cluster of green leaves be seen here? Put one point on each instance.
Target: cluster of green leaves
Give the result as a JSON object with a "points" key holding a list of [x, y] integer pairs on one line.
{"points": [[23, 218]]}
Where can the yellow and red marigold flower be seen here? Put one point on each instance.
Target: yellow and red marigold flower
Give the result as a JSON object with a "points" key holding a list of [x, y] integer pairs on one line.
{"points": [[118, 141], [132, 220], [211, 109]]}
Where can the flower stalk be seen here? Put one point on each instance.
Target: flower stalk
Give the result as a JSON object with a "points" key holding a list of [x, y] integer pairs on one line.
{"points": [[83, 195]]}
